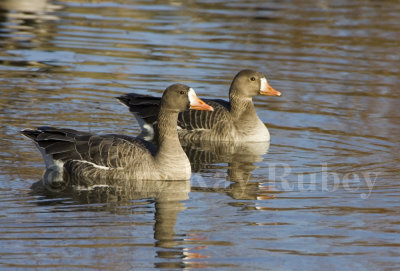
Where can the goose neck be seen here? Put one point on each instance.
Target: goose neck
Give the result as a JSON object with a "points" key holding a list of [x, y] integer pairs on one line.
{"points": [[170, 158], [167, 127], [242, 108]]}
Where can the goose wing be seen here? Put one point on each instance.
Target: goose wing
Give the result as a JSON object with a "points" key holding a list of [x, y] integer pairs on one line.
{"points": [[201, 119], [108, 151], [147, 107], [144, 106]]}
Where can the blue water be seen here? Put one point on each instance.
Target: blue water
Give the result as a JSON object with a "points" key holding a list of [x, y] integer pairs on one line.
{"points": [[324, 195]]}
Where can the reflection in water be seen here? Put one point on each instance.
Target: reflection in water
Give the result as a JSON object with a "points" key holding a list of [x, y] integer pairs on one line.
{"points": [[27, 25], [241, 159], [27, 21], [167, 197], [209, 152]]}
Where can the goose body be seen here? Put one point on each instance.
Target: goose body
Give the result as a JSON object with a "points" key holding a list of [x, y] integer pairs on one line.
{"points": [[87, 159], [233, 121]]}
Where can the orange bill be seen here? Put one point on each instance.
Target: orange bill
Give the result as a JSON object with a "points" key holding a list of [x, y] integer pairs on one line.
{"points": [[196, 103], [266, 89]]}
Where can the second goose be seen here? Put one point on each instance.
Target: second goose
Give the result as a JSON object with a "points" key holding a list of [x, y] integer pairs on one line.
{"points": [[233, 121]]}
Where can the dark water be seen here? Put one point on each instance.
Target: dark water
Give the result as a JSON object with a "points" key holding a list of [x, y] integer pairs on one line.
{"points": [[324, 196]]}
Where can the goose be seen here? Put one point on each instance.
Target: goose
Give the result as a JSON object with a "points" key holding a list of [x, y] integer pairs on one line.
{"points": [[233, 121], [85, 159]]}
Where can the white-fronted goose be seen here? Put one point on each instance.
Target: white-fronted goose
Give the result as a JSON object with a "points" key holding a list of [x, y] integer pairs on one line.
{"points": [[233, 121], [88, 159]]}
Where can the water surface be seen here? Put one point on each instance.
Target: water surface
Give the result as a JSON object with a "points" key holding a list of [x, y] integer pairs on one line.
{"points": [[324, 195]]}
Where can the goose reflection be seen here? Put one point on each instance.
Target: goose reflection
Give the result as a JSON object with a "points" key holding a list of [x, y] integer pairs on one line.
{"points": [[28, 20], [241, 159], [167, 196]]}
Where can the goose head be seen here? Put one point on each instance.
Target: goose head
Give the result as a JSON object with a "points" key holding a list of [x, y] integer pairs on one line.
{"points": [[249, 83], [179, 98]]}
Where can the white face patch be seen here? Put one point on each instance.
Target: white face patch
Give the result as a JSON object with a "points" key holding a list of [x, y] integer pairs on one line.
{"points": [[264, 84], [192, 96]]}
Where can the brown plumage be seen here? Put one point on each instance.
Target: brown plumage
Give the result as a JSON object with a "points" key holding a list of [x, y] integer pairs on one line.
{"points": [[233, 121], [82, 158]]}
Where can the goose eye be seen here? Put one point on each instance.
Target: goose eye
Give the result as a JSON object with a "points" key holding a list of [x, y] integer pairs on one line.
{"points": [[253, 78], [182, 92]]}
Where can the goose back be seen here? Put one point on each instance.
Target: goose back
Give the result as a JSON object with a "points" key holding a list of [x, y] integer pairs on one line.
{"points": [[193, 125], [87, 159], [233, 121]]}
